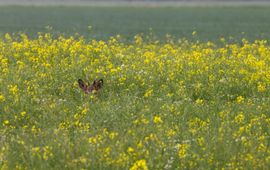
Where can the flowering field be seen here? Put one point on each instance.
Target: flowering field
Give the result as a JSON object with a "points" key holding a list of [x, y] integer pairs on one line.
{"points": [[169, 105]]}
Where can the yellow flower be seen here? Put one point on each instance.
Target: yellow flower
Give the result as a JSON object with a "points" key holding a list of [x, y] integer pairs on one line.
{"points": [[240, 99], [23, 114], [157, 119], [138, 39], [47, 152], [107, 151], [239, 118], [5, 122], [83, 159], [35, 149], [112, 135], [130, 150], [262, 148], [171, 133], [261, 87], [199, 101], [182, 150], [201, 141], [139, 165], [140, 144], [13, 89], [146, 61], [148, 93], [20, 64], [2, 98]]}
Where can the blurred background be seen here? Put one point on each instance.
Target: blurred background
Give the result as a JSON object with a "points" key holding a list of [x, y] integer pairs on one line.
{"points": [[77, 2], [100, 19]]}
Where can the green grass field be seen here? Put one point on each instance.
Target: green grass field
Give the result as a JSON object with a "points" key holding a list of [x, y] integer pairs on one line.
{"points": [[211, 23], [175, 106], [164, 104]]}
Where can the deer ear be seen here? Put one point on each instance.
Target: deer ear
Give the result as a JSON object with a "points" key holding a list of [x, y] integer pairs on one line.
{"points": [[100, 81], [82, 85]]}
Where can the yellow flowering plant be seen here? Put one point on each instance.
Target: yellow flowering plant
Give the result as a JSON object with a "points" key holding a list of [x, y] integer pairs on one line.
{"points": [[163, 105]]}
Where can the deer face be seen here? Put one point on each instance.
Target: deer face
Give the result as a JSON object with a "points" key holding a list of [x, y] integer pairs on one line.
{"points": [[94, 87]]}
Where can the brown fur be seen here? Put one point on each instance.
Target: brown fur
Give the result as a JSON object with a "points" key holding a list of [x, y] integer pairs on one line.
{"points": [[94, 87]]}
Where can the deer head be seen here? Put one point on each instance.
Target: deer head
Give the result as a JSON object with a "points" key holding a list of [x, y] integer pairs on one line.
{"points": [[94, 87]]}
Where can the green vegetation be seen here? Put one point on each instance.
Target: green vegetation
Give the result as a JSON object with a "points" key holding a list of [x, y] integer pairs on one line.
{"points": [[163, 105], [211, 23]]}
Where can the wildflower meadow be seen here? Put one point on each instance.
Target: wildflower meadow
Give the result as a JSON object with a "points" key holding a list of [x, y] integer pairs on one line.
{"points": [[175, 104]]}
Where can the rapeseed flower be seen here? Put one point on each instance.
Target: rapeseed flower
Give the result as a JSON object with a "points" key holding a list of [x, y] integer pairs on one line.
{"points": [[172, 104], [139, 165], [157, 119]]}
